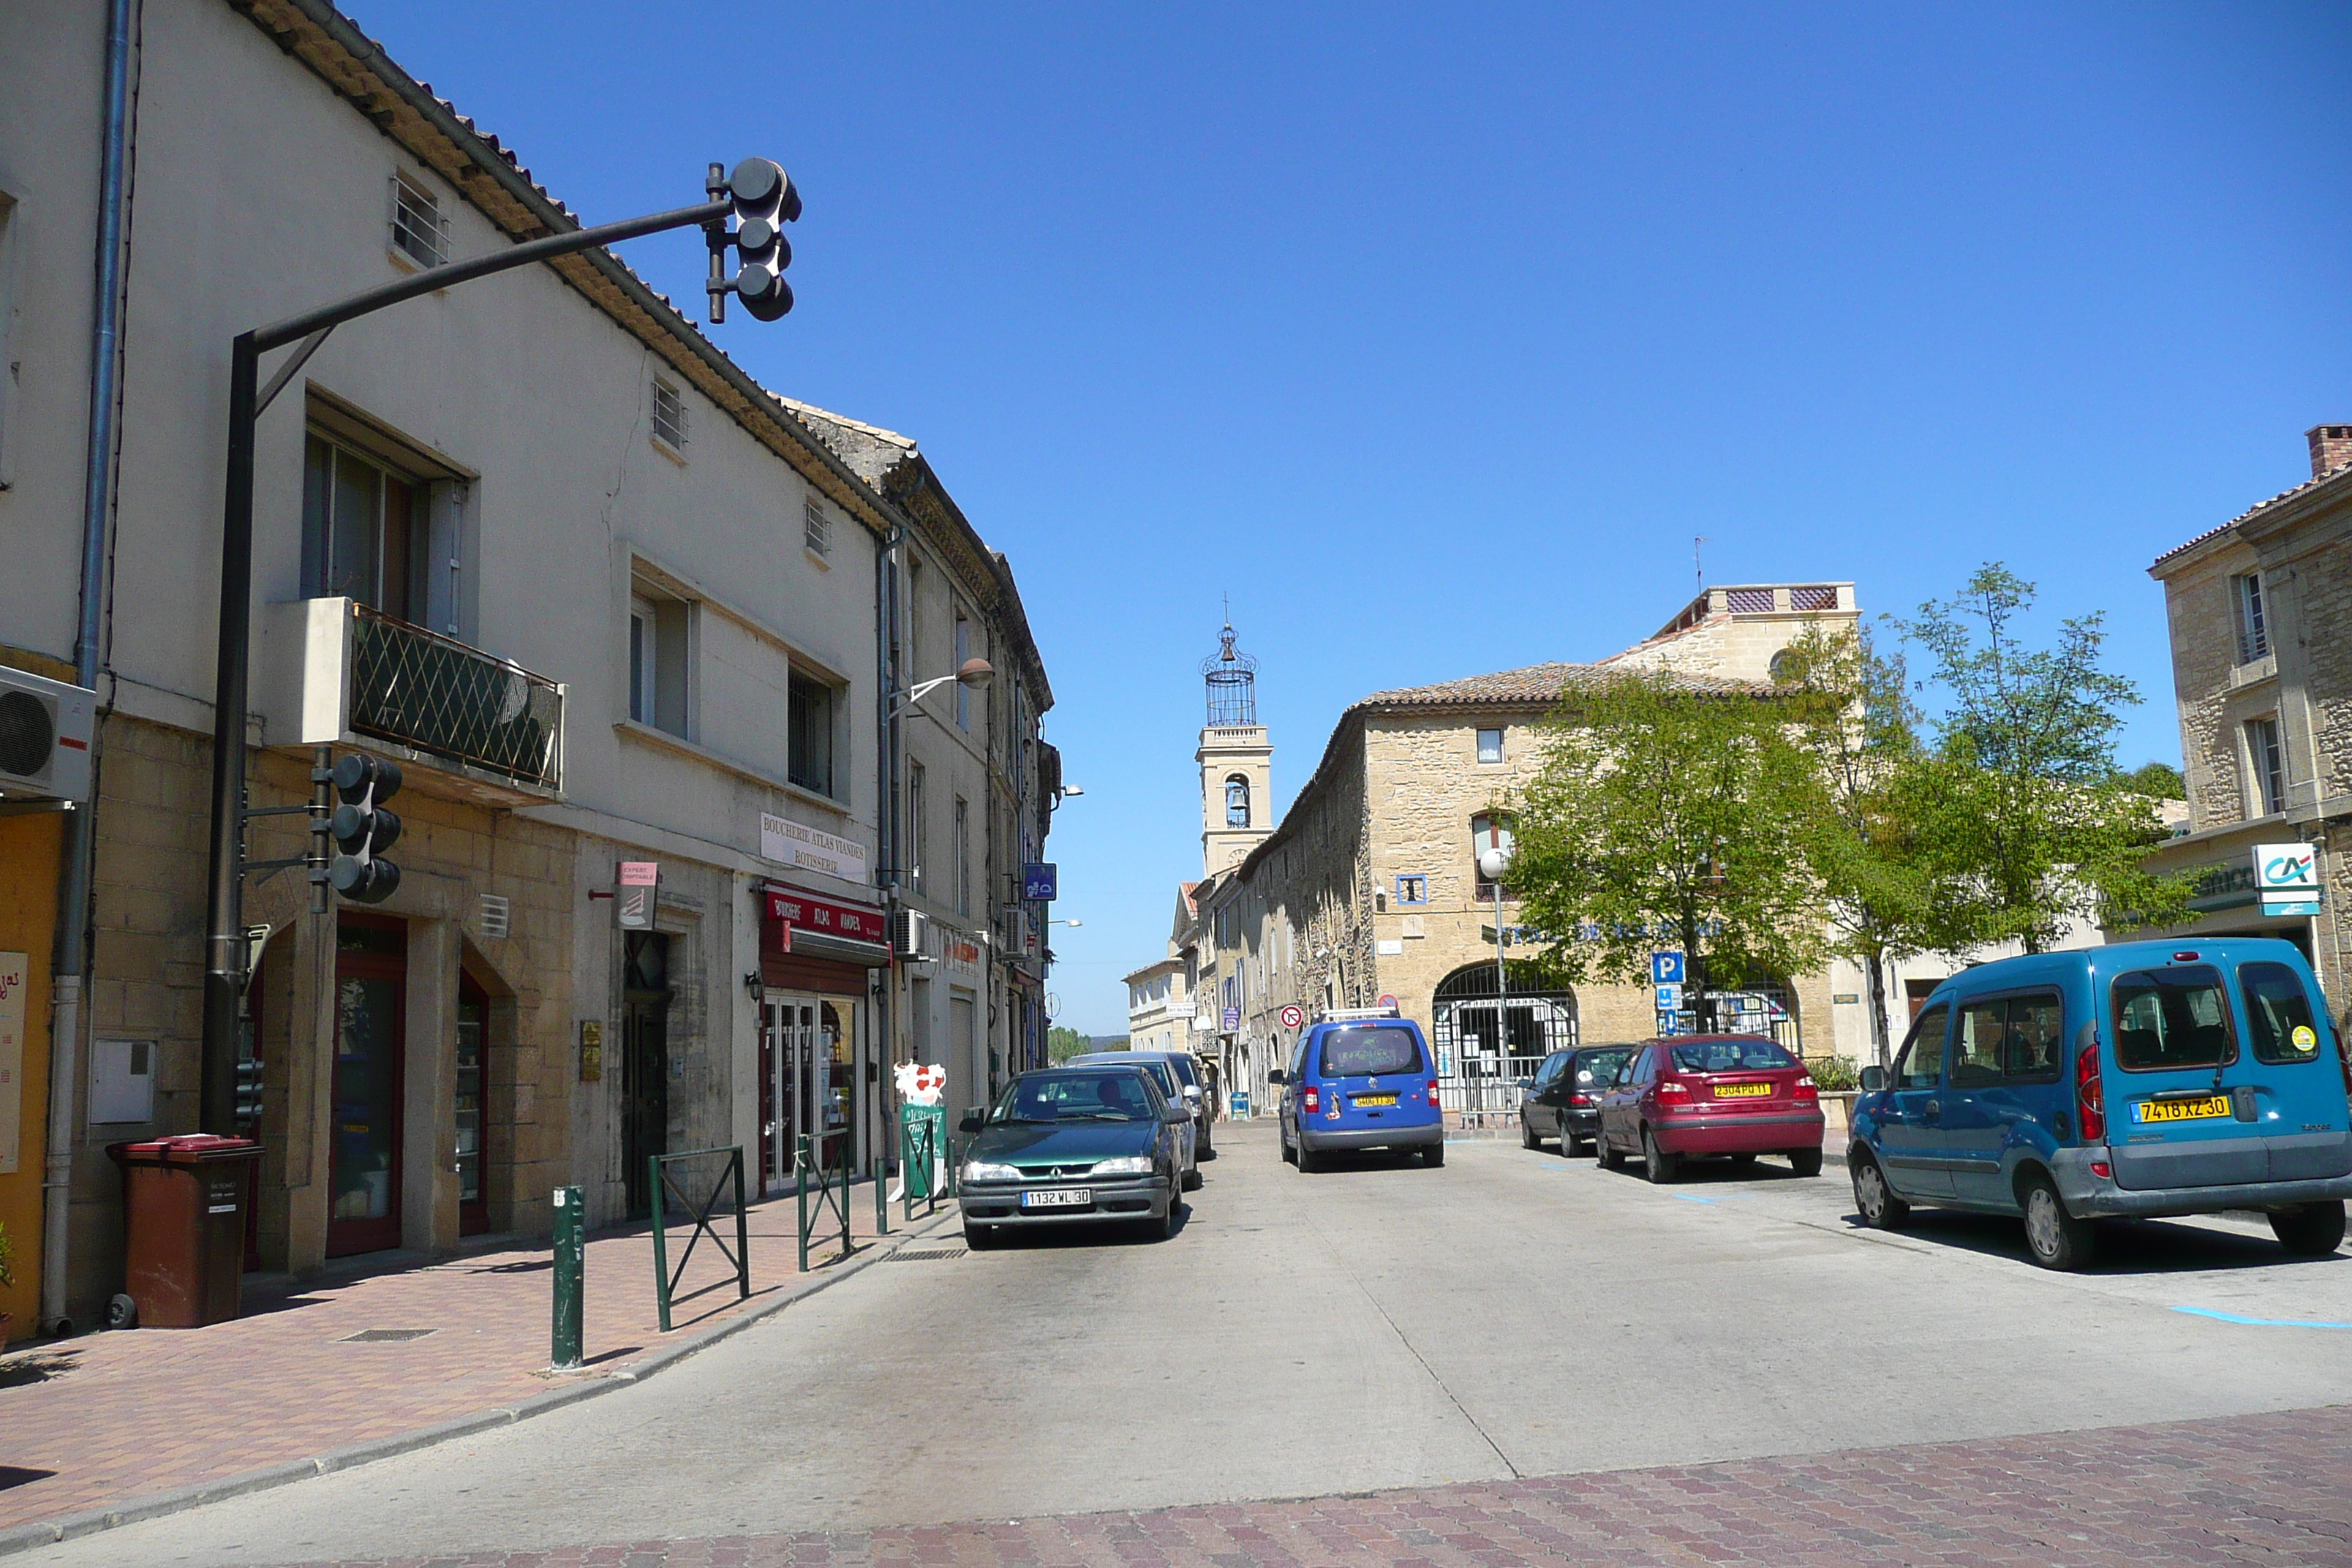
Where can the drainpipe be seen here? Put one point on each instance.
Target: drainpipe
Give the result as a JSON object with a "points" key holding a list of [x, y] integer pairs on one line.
{"points": [[98, 504], [886, 832]]}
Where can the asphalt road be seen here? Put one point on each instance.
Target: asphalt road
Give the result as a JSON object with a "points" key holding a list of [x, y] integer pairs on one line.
{"points": [[1375, 1325]]}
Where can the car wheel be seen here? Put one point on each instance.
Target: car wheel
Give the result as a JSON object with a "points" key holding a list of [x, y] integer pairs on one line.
{"points": [[1306, 1159], [1570, 1146], [1656, 1164], [1208, 1150], [1289, 1154], [979, 1237], [1168, 1221], [1874, 1200], [1527, 1139], [1743, 1161], [2055, 1238], [2310, 1231], [1193, 1179], [1605, 1157], [1434, 1155], [1807, 1162]]}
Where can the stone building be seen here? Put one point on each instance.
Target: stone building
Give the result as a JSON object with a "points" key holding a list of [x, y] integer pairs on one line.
{"points": [[538, 540], [1369, 887], [2264, 684]]}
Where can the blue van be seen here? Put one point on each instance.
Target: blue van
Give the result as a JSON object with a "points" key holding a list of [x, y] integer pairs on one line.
{"points": [[2144, 1079], [1361, 1080]]}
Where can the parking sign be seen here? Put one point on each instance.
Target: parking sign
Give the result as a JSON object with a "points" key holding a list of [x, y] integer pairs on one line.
{"points": [[1665, 969]]}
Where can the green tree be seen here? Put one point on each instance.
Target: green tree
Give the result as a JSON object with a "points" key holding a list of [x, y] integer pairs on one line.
{"points": [[1854, 717], [2158, 781], [2020, 810], [1669, 812], [1062, 1044]]}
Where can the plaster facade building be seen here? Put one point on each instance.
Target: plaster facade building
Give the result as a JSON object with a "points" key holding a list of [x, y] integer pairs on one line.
{"points": [[2263, 678], [537, 539], [1370, 888]]}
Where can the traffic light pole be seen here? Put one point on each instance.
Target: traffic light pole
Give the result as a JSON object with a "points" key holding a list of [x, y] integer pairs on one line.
{"points": [[224, 951]]}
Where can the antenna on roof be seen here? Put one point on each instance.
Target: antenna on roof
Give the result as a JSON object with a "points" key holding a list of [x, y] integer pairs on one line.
{"points": [[1697, 570]]}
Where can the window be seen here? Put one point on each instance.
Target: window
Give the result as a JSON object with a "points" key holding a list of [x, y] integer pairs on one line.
{"points": [[364, 531], [1488, 831], [658, 660], [2172, 1018], [1976, 1051], [1412, 889], [963, 693], [1374, 1051], [669, 415], [1922, 1065], [419, 232], [962, 855], [1490, 745], [2034, 1049], [2269, 759], [1237, 802], [816, 529], [2253, 630], [810, 762], [1731, 1056], [2279, 1013], [918, 837]]}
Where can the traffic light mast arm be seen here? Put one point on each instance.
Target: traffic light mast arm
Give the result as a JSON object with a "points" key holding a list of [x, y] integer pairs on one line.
{"points": [[224, 940]]}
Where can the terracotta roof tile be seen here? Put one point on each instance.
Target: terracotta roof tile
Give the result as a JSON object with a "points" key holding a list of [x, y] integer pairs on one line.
{"points": [[1539, 684], [2330, 477]]}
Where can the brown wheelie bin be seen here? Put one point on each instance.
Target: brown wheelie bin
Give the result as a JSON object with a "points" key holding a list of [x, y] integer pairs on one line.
{"points": [[183, 1215]]}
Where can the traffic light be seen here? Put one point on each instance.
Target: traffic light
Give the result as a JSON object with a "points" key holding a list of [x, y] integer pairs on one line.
{"points": [[248, 1092], [765, 202], [363, 829]]}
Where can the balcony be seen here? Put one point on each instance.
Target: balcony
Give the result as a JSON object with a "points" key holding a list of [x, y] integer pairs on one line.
{"points": [[333, 670]]}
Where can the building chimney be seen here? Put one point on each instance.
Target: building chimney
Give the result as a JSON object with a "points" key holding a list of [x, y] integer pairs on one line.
{"points": [[2331, 448]]}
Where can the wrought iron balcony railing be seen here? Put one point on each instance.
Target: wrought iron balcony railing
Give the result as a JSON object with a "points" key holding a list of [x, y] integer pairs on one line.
{"points": [[423, 690]]}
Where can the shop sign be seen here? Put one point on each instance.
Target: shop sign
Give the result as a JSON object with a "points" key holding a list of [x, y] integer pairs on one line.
{"points": [[791, 912], [639, 890], [2286, 876], [14, 968], [963, 953], [797, 844]]}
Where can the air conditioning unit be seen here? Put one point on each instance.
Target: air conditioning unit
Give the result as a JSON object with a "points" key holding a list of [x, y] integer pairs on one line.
{"points": [[910, 934], [45, 731]]}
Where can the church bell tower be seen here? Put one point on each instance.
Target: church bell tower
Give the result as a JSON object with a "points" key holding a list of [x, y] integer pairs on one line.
{"points": [[1236, 760]]}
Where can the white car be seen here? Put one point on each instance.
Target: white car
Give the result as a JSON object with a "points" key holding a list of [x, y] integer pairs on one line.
{"points": [[1179, 1082]]}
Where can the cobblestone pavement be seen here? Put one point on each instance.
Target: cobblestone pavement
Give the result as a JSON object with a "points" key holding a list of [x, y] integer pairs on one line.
{"points": [[2273, 1489], [99, 1420]]}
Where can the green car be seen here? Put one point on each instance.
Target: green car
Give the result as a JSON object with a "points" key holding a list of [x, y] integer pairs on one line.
{"points": [[1096, 1144]]}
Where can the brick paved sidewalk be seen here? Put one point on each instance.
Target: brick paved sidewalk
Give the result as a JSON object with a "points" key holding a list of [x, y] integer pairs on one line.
{"points": [[2272, 1489], [96, 1421]]}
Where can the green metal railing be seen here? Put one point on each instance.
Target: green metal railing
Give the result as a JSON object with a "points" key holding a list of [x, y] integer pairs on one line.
{"points": [[657, 1181], [918, 1162], [821, 1164]]}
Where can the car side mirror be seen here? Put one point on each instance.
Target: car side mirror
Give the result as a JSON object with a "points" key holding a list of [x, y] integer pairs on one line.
{"points": [[1873, 1080], [1277, 1075], [1192, 1094], [1526, 1083], [972, 1123], [1177, 1117]]}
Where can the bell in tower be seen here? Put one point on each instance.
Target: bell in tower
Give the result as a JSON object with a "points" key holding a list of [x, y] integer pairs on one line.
{"points": [[1236, 761]]}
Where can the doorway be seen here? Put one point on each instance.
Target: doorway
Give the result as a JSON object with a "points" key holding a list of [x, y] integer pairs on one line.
{"points": [[645, 1062], [473, 1094], [964, 1032], [805, 1075], [370, 1030]]}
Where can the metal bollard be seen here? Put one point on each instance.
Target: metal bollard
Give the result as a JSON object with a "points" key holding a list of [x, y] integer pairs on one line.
{"points": [[571, 1225]]}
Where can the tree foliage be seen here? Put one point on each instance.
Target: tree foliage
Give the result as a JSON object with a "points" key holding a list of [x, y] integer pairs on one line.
{"points": [[2024, 823], [2158, 781], [1062, 1044], [1668, 815]]}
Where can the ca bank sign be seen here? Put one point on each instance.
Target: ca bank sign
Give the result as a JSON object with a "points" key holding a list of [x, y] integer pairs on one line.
{"points": [[2286, 877]]}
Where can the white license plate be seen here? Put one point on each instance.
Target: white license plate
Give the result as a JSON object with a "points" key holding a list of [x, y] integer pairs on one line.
{"points": [[1062, 1199]]}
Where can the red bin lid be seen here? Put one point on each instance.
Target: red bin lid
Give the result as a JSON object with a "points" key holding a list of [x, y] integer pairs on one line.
{"points": [[185, 1146]]}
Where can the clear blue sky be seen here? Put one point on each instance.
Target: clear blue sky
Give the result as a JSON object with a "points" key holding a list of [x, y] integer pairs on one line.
{"points": [[1433, 336]]}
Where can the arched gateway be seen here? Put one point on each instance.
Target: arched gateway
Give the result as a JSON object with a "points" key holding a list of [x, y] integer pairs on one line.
{"points": [[1488, 1037]]}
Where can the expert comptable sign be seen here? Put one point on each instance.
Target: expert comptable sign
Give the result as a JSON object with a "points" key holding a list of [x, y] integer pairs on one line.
{"points": [[797, 844]]}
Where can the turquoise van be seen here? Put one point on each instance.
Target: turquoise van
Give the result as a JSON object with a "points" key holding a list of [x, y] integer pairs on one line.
{"points": [[2144, 1079]]}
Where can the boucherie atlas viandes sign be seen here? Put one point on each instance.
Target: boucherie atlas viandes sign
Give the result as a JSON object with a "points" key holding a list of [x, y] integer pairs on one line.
{"points": [[797, 911]]}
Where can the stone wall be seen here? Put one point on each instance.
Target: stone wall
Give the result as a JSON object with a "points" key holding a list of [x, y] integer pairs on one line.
{"points": [[2204, 658]]}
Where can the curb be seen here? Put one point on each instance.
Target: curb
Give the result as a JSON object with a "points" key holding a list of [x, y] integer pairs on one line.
{"points": [[73, 1526]]}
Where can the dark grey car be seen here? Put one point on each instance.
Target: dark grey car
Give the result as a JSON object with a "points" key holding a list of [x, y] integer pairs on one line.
{"points": [[1563, 1102]]}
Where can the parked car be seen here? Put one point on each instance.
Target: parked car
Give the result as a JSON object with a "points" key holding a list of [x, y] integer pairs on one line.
{"points": [[1160, 1065], [1563, 1099], [1697, 1096], [1359, 1083], [2147, 1078], [1188, 1083], [1094, 1144]]}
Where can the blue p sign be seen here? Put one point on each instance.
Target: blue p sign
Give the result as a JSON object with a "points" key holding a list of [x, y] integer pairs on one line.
{"points": [[1665, 969]]}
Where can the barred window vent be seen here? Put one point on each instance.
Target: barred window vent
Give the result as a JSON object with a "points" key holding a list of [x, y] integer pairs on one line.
{"points": [[1818, 598], [669, 415], [1749, 601], [418, 230], [495, 920], [816, 529]]}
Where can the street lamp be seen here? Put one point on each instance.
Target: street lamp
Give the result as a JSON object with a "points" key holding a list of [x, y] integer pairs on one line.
{"points": [[1493, 862], [973, 672], [1071, 923]]}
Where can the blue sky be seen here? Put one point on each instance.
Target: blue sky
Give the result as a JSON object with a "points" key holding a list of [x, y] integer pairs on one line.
{"points": [[1433, 335]]}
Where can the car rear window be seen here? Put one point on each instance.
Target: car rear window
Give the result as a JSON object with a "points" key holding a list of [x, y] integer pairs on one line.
{"points": [[1599, 1067], [1730, 1055], [1184, 1069], [1360, 1053], [2175, 1017], [2278, 1014]]}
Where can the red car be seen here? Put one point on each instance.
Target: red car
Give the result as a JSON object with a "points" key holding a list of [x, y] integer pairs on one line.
{"points": [[1698, 1095]]}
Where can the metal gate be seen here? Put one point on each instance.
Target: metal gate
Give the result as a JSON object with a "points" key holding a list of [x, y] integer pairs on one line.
{"points": [[1486, 1040]]}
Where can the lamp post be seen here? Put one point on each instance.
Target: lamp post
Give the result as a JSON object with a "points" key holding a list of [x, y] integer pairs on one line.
{"points": [[1493, 862]]}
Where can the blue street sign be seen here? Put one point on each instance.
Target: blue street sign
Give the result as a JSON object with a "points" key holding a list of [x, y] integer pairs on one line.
{"points": [[1670, 998], [1041, 881], [1665, 969]]}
